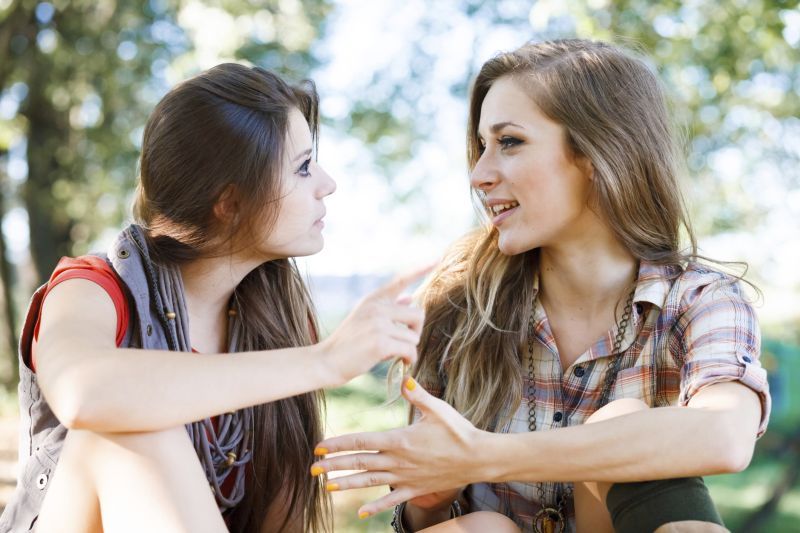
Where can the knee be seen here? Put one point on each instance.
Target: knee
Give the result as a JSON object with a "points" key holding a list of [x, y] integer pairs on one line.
{"points": [[488, 521], [623, 406], [692, 526]]}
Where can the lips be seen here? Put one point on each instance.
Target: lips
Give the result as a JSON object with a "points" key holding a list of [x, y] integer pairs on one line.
{"points": [[500, 209]]}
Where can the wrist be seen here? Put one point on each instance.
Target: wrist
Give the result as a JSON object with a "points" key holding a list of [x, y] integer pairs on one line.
{"points": [[491, 451], [330, 375]]}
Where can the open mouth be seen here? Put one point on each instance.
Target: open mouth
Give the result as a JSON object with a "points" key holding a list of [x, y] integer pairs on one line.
{"points": [[499, 209]]}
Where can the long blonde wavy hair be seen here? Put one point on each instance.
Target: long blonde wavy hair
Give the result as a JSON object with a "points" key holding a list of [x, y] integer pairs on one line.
{"points": [[478, 302]]}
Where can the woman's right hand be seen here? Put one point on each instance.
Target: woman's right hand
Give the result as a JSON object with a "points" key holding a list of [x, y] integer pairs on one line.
{"points": [[380, 327]]}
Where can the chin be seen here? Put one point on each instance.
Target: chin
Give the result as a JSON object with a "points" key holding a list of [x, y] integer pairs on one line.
{"points": [[310, 249], [509, 246]]}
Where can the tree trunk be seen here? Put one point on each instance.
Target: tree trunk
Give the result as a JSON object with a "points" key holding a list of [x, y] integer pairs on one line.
{"points": [[47, 130], [8, 280]]}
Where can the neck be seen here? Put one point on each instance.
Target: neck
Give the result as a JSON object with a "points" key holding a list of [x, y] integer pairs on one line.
{"points": [[584, 277], [209, 283]]}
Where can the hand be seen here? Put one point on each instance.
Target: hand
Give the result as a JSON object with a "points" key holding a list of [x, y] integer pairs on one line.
{"points": [[437, 454], [380, 327]]}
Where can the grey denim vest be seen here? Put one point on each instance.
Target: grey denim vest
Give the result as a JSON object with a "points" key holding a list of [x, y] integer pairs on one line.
{"points": [[41, 434]]}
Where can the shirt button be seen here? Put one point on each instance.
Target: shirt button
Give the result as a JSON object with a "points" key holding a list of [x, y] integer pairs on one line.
{"points": [[41, 481], [558, 416], [149, 330], [747, 359], [579, 371]]}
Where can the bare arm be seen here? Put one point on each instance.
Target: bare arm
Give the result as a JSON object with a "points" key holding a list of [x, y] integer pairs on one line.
{"points": [[91, 384], [714, 434]]}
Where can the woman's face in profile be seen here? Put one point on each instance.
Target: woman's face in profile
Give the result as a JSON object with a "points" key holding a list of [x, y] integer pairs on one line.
{"points": [[304, 186], [536, 192]]}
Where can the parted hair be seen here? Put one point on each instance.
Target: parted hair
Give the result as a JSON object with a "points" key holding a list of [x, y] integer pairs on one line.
{"points": [[614, 113], [223, 132]]}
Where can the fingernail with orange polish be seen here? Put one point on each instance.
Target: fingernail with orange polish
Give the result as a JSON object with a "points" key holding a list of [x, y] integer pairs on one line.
{"points": [[319, 450], [330, 487], [317, 470], [411, 384], [363, 514]]}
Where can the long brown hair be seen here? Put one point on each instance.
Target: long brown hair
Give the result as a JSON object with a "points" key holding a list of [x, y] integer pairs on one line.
{"points": [[223, 132], [614, 113]]}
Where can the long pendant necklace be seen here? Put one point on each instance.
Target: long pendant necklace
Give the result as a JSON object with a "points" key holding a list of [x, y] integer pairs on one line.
{"points": [[551, 516]]}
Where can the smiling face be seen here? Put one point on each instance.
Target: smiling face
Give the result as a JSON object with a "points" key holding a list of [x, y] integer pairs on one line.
{"points": [[535, 190], [297, 230]]}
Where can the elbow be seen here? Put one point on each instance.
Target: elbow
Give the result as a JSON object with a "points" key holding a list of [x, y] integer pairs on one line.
{"points": [[67, 397], [736, 459], [71, 409], [734, 448]]}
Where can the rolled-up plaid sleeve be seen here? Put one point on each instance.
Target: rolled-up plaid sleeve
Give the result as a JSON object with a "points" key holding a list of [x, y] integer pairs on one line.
{"points": [[721, 341]]}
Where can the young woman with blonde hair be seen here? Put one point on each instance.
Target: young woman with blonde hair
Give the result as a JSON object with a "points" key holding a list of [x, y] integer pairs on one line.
{"points": [[124, 428], [579, 350]]}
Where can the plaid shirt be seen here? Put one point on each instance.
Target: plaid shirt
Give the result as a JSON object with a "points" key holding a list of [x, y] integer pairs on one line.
{"points": [[687, 333]]}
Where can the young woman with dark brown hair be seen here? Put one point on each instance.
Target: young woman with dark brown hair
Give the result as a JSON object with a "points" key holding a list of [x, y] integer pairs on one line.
{"points": [[133, 402], [555, 330]]}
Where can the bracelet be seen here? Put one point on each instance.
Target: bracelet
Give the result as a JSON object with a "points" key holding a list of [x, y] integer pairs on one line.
{"points": [[397, 516]]}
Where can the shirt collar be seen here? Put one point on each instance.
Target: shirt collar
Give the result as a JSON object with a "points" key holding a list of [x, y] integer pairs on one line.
{"points": [[653, 284]]}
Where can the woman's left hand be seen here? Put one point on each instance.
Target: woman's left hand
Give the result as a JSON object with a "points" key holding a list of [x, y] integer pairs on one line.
{"points": [[437, 453]]}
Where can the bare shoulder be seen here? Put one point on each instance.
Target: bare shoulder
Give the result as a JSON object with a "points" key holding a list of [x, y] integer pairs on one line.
{"points": [[77, 313]]}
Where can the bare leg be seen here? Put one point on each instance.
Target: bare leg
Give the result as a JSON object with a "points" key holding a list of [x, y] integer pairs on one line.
{"points": [[120, 482], [691, 526], [591, 513], [478, 522]]}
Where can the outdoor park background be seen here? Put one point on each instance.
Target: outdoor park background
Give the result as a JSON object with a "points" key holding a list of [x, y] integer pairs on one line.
{"points": [[78, 78]]}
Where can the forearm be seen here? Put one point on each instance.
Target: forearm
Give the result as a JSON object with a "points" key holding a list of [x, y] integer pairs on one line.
{"points": [[653, 444], [121, 390]]}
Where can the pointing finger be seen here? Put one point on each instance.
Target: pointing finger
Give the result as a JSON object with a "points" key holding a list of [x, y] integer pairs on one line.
{"points": [[393, 289]]}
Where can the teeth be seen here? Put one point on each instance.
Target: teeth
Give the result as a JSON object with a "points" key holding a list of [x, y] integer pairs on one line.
{"points": [[499, 208]]}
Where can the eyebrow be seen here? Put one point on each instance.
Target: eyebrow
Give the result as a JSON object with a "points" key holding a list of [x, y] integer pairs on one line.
{"points": [[500, 125], [304, 153]]}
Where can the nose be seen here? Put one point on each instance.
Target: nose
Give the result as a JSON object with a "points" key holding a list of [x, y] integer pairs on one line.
{"points": [[484, 175], [327, 184]]}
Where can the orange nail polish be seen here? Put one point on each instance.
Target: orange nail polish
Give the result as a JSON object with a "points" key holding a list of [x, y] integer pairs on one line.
{"points": [[363, 514], [411, 384], [319, 450], [330, 487], [317, 470]]}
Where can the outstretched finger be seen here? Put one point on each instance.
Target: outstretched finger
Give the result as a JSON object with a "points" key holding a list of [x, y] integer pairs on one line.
{"points": [[393, 289], [355, 442], [394, 498], [424, 401], [352, 461], [359, 480]]}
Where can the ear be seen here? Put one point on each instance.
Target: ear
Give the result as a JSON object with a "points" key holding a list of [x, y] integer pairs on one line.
{"points": [[586, 166], [226, 208]]}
